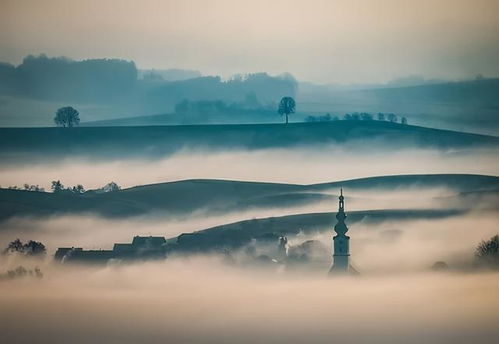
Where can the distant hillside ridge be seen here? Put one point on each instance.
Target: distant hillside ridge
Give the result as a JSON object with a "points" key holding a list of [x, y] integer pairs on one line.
{"points": [[153, 141], [470, 104], [181, 198], [237, 234]]}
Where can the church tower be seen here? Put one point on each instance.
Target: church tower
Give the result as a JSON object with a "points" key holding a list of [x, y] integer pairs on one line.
{"points": [[341, 242]]}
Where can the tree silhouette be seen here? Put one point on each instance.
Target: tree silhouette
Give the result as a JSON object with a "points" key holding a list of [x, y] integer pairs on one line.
{"points": [[287, 106], [67, 117], [31, 248], [57, 186], [14, 246], [487, 252], [366, 116], [392, 117], [78, 189], [34, 248]]}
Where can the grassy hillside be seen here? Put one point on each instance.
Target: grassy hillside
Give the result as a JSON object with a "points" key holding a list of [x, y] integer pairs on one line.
{"points": [[237, 234], [473, 105], [481, 92], [218, 196], [153, 141], [234, 116]]}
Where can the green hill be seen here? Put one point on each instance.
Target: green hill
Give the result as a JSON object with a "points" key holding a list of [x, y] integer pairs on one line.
{"points": [[153, 141], [471, 104], [219, 196], [237, 234]]}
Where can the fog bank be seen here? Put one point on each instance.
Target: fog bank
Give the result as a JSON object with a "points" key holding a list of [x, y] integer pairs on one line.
{"points": [[300, 165], [199, 300]]}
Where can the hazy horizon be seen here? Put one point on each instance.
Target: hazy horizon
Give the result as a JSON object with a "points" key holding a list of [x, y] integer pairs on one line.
{"points": [[352, 42], [219, 171]]}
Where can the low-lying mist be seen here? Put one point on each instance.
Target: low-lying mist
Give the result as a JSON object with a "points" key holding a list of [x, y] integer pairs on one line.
{"points": [[376, 246], [202, 300], [300, 165]]}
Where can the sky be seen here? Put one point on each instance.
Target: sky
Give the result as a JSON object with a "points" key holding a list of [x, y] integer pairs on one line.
{"points": [[324, 41]]}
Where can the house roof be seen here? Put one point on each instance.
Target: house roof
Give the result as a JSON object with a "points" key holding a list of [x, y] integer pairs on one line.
{"points": [[148, 241]]}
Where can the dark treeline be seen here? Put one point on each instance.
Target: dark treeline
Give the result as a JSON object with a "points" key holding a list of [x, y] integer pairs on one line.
{"points": [[118, 81], [261, 87], [359, 116], [40, 77], [205, 106], [58, 187]]}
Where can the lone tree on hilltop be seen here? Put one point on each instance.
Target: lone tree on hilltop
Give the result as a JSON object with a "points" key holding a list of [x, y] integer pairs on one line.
{"points": [[67, 117], [287, 106]]}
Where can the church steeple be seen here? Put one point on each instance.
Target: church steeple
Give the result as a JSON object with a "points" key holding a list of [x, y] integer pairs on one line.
{"points": [[341, 242]]}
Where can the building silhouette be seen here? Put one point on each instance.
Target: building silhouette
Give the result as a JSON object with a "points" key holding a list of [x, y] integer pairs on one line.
{"points": [[341, 242], [141, 248]]}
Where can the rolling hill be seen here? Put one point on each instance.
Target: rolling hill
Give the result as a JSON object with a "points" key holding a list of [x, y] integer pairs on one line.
{"points": [[470, 104], [237, 234], [29, 144], [221, 196]]}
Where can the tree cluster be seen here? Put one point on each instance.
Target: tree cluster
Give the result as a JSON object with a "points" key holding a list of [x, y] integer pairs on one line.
{"points": [[264, 87], [21, 272], [359, 116], [27, 187], [326, 118], [207, 107], [62, 79], [58, 187], [31, 248]]}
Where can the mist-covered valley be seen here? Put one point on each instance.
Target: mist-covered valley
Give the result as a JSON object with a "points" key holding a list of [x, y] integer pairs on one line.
{"points": [[418, 203], [231, 198], [203, 298], [249, 172]]}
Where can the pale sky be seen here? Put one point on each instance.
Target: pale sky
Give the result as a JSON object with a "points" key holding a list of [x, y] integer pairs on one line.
{"points": [[316, 40]]}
